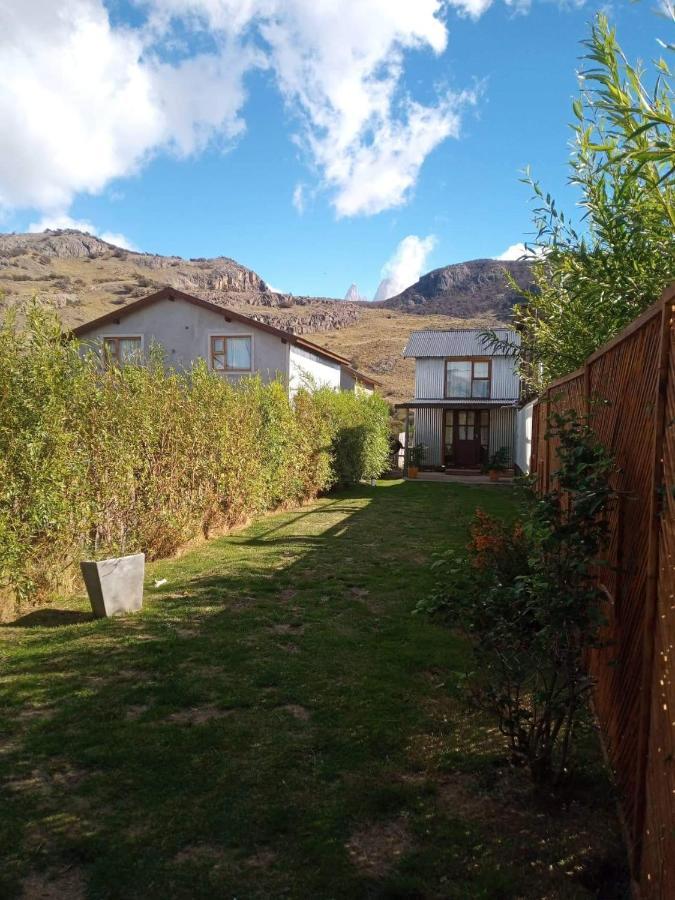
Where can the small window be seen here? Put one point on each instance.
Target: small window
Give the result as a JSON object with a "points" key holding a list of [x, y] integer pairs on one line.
{"points": [[230, 354], [120, 350], [465, 378]]}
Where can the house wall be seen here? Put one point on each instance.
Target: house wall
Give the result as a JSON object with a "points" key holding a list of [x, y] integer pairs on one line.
{"points": [[429, 431], [306, 367], [502, 430], [184, 331], [523, 441], [349, 383], [430, 379]]}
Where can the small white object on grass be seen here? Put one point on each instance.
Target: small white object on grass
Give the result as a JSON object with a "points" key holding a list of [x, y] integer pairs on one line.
{"points": [[160, 582]]}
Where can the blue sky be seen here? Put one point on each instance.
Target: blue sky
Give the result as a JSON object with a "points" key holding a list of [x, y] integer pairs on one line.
{"points": [[189, 126]]}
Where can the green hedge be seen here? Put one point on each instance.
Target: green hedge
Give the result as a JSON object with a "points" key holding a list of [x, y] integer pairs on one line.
{"points": [[102, 463]]}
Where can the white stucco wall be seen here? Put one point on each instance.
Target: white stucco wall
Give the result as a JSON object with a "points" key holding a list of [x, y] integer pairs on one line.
{"points": [[523, 447], [184, 330], [309, 369]]}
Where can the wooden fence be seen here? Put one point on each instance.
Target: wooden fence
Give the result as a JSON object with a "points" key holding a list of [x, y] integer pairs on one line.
{"points": [[628, 388]]}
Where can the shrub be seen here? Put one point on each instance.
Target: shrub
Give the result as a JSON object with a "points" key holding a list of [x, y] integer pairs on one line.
{"points": [[96, 463], [358, 425], [527, 598]]}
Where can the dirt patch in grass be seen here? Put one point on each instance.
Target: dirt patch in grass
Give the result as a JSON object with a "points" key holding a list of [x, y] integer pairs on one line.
{"points": [[199, 715], [66, 885], [263, 859], [301, 713], [135, 712], [377, 848], [287, 628], [200, 853]]}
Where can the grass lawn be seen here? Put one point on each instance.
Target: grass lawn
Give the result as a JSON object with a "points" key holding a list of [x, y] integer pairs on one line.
{"points": [[275, 723]]}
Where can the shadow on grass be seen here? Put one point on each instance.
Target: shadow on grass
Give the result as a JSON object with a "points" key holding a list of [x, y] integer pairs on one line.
{"points": [[50, 618], [269, 725]]}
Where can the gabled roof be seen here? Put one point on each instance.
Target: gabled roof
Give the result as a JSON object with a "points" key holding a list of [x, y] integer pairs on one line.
{"points": [[169, 293], [360, 377], [457, 342]]}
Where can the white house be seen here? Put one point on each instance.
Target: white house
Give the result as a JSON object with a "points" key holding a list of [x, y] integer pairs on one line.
{"points": [[188, 328], [466, 396]]}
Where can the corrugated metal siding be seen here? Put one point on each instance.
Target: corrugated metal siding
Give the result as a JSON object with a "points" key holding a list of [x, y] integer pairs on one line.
{"points": [[502, 430], [428, 431], [429, 375], [464, 342], [505, 381]]}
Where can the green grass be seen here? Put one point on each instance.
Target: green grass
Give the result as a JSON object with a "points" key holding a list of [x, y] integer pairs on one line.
{"points": [[276, 723]]}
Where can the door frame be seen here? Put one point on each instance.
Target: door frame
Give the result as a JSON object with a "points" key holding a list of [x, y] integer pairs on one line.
{"points": [[452, 410]]}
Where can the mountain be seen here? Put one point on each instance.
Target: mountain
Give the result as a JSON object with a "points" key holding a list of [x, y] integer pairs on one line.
{"points": [[353, 293], [471, 289], [82, 277]]}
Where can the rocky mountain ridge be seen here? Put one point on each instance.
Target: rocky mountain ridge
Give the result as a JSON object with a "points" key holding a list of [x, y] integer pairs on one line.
{"points": [[82, 276], [475, 288]]}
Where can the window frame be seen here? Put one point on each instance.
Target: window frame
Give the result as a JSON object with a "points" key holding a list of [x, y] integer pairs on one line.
{"points": [[473, 360], [117, 338], [218, 335]]}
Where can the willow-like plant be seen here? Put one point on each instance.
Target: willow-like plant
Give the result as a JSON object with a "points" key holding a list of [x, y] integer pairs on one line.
{"points": [[594, 278]]}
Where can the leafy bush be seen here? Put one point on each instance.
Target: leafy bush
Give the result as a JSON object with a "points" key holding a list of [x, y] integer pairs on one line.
{"points": [[97, 463], [359, 433], [527, 597]]}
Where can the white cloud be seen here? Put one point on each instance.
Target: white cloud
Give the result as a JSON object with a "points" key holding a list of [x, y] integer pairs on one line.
{"points": [[83, 102], [405, 266], [64, 221], [86, 100], [299, 198], [472, 8], [519, 251]]}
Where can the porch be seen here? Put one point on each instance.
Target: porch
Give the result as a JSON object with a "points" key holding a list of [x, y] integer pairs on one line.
{"points": [[466, 476], [458, 437]]}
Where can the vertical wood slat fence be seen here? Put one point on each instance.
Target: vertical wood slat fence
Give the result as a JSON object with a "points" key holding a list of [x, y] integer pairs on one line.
{"points": [[628, 388]]}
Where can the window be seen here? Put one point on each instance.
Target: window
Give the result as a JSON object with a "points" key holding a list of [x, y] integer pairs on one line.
{"points": [[119, 350], [231, 354], [467, 378]]}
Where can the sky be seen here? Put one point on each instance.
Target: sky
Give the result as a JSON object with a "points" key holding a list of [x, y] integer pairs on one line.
{"points": [[319, 142]]}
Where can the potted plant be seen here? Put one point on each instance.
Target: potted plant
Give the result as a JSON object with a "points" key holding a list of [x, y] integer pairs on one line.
{"points": [[415, 459], [498, 463]]}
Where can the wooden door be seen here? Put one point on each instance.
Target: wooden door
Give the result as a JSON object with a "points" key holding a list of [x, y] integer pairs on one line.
{"points": [[467, 438]]}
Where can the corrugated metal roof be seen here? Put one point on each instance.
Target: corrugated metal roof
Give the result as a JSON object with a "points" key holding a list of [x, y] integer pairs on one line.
{"points": [[468, 403], [459, 342]]}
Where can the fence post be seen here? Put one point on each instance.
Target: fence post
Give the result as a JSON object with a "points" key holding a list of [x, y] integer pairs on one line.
{"points": [[651, 587]]}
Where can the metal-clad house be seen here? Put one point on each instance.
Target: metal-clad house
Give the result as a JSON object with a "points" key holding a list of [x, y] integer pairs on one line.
{"points": [[188, 328], [466, 396]]}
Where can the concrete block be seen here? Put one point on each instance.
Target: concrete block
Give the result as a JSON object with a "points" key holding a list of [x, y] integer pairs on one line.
{"points": [[115, 585]]}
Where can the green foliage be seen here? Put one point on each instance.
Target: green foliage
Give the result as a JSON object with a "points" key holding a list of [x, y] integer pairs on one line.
{"points": [[591, 282], [358, 426], [499, 461], [141, 458], [416, 455], [527, 597]]}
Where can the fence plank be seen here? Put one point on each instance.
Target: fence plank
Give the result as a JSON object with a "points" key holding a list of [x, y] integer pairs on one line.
{"points": [[627, 388]]}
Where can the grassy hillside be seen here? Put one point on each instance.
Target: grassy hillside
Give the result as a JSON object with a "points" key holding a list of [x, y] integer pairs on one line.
{"points": [[83, 277]]}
